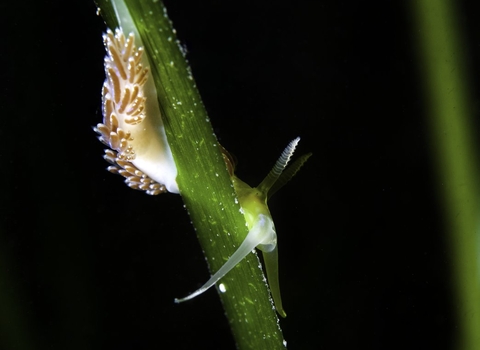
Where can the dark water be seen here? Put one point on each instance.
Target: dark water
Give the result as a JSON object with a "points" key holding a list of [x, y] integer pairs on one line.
{"points": [[87, 263]]}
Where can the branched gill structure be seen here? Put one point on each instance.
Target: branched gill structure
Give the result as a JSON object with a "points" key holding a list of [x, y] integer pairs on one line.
{"points": [[124, 104]]}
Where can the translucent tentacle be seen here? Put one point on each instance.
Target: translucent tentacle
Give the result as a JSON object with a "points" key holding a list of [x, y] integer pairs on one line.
{"points": [[254, 237], [280, 165], [271, 265], [288, 174]]}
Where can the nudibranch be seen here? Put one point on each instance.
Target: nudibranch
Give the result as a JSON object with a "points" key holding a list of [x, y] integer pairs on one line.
{"points": [[132, 125], [133, 130], [262, 233]]}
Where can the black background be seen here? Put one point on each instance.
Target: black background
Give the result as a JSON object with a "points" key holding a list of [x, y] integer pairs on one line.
{"points": [[87, 263]]}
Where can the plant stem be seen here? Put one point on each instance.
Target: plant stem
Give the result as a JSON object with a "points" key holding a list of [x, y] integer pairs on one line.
{"points": [[203, 179], [446, 88]]}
